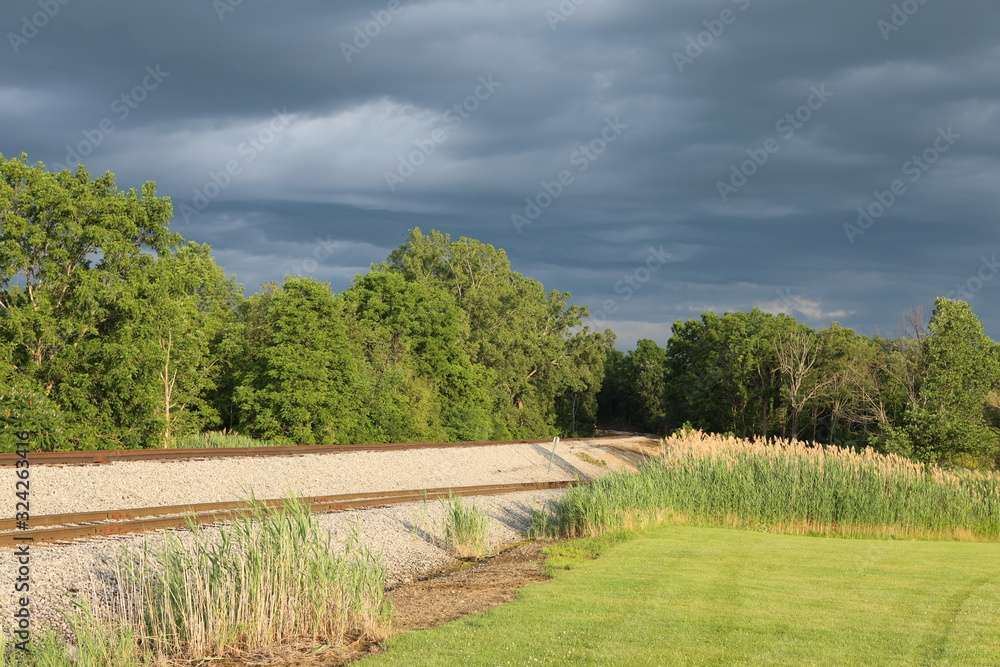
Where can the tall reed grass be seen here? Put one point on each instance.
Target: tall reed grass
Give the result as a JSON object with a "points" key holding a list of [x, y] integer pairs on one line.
{"points": [[266, 582], [788, 486], [466, 528], [271, 578]]}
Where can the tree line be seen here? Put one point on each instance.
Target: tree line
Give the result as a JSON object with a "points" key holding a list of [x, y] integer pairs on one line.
{"points": [[932, 393], [117, 333]]}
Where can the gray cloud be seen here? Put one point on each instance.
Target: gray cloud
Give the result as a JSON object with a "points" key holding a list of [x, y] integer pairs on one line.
{"points": [[314, 196]]}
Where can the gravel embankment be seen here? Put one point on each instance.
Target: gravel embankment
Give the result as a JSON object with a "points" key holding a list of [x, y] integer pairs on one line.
{"points": [[125, 485], [407, 535]]}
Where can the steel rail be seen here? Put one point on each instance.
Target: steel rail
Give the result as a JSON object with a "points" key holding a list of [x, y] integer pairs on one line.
{"points": [[120, 522], [109, 456]]}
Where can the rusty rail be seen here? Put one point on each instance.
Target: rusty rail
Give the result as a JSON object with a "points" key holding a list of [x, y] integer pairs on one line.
{"points": [[109, 456], [145, 519]]}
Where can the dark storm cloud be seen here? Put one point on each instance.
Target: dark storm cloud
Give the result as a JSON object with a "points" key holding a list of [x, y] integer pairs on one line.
{"points": [[749, 134]]}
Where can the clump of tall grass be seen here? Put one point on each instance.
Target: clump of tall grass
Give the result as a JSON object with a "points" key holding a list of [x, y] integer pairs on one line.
{"points": [[92, 643], [272, 578], [787, 486], [213, 439], [466, 528], [46, 649], [269, 580]]}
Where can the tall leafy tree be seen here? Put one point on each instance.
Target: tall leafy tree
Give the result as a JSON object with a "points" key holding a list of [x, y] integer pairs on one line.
{"points": [[949, 422], [69, 246], [24, 406], [158, 355], [300, 375], [723, 372], [516, 330], [854, 402], [645, 371], [577, 407], [614, 398], [414, 336]]}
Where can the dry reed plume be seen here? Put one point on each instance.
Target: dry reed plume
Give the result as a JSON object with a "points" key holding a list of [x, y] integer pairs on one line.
{"points": [[787, 486]]}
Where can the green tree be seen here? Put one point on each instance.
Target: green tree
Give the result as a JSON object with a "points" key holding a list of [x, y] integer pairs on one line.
{"points": [[414, 336], [25, 406], [949, 423], [577, 407], [723, 373], [854, 401], [614, 398], [515, 330], [157, 356], [645, 370], [299, 375], [69, 248]]}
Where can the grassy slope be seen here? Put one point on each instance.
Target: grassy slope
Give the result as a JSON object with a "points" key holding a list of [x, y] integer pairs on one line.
{"points": [[710, 596]]}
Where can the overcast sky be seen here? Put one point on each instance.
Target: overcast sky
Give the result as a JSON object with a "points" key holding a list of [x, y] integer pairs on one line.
{"points": [[656, 160]]}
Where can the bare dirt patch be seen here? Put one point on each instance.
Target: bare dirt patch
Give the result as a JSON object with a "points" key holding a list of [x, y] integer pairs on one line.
{"points": [[467, 590]]}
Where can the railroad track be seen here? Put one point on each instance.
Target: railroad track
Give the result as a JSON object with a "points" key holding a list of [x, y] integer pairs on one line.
{"points": [[109, 456], [80, 525]]}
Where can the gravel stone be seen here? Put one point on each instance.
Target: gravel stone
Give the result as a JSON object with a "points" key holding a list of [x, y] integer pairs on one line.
{"points": [[128, 484]]}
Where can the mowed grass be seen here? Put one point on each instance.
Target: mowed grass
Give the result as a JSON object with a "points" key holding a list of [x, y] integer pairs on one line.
{"points": [[683, 595]]}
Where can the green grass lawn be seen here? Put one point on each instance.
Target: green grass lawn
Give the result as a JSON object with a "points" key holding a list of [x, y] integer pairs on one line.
{"points": [[682, 595]]}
